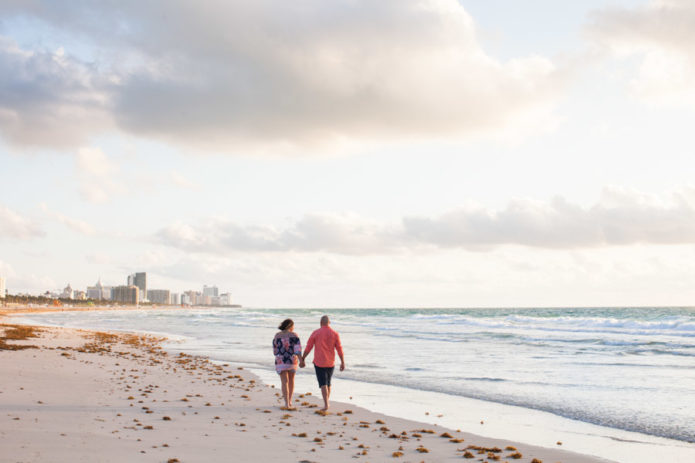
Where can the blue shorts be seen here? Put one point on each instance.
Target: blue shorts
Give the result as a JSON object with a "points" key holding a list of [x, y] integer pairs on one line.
{"points": [[324, 374]]}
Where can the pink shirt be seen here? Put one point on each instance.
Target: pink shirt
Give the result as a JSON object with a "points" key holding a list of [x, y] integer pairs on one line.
{"points": [[327, 341]]}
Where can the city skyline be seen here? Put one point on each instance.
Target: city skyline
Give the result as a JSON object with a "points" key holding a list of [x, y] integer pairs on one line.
{"points": [[434, 153], [208, 296]]}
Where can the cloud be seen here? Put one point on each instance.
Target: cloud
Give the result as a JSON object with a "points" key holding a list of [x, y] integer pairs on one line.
{"points": [[17, 282], [31, 283], [78, 226], [620, 218], [182, 181], [269, 73], [311, 233], [15, 226], [662, 35], [48, 98], [98, 175]]}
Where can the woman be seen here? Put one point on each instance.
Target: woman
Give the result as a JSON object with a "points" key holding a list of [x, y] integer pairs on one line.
{"points": [[288, 352]]}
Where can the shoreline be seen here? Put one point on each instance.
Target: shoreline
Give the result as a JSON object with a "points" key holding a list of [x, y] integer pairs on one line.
{"points": [[216, 425]]}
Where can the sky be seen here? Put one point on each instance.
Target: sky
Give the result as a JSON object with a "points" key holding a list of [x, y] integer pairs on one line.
{"points": [[400, 153]]}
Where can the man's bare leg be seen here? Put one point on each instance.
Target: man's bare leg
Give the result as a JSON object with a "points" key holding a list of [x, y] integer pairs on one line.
{"points": [[326, 393]]}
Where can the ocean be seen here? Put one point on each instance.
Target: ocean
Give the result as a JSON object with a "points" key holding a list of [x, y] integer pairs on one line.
{"points": [[626, 369]]}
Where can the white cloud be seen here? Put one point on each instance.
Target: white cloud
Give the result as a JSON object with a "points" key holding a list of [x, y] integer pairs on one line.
{"points": [[76, 225], [17, 282], [273, 74], [31, 283], [48, 98], [182, 181], [93, 161], [346, 234], [16, 226], [98, 175], [621, 217], [662, 35]]}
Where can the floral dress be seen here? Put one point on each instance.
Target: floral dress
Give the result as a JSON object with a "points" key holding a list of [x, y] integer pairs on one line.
{"points": [[287, 349]]}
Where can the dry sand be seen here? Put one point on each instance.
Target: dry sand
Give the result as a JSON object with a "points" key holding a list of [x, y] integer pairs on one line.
{"points": [[97, 397]]}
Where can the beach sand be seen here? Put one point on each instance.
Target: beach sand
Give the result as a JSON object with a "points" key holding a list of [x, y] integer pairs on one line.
{"points": [[73, 395]]}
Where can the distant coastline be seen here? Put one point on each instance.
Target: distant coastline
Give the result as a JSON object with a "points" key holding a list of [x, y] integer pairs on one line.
{"points": [[16, 308]]}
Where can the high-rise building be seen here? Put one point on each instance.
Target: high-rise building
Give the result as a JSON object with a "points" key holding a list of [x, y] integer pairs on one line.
{"points": [[2, 288], [126, 294], [140, 280], [191, 298], [211, 291], [99, 292], [225, 299], [159, 296], [175, 298], [67, 292]]}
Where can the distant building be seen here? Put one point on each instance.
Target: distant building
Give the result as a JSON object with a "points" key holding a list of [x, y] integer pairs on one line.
{"points": [[140, 280], [159, 296], [79, 295], [175, 298], [3, 290], [67, 292], [99, 292], [225, 299], [211, 291], [126, 294], [192, 298]]}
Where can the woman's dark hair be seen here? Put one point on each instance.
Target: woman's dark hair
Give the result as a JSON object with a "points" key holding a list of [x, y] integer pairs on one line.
{"points": [[286, 324]]}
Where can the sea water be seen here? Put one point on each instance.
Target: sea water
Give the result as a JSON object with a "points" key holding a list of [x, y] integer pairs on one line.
{"points": [[629, 369]]}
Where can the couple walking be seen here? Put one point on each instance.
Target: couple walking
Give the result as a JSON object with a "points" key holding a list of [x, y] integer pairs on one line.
{"points": [[288, 355]]}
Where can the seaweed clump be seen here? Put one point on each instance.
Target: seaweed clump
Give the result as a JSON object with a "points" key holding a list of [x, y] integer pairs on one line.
{"points": [[18, 333]]}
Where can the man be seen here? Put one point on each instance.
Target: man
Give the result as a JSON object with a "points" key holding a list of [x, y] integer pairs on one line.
{"points": [[327, 342]]}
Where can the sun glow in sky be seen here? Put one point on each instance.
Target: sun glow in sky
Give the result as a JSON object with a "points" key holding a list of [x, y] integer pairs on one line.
{"points": [[352, 153]]}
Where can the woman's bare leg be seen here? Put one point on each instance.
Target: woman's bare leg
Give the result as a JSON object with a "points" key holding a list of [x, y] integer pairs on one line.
{"points": [[290, 387], [285, 387]]}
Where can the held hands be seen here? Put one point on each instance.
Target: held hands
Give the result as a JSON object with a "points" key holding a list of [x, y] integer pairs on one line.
{"points": [[342, 366], [302, 364]]}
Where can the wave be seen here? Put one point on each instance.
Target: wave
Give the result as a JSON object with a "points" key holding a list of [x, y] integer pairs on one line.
{"points": [[647, 423], [671, 326], [491, 380]]}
